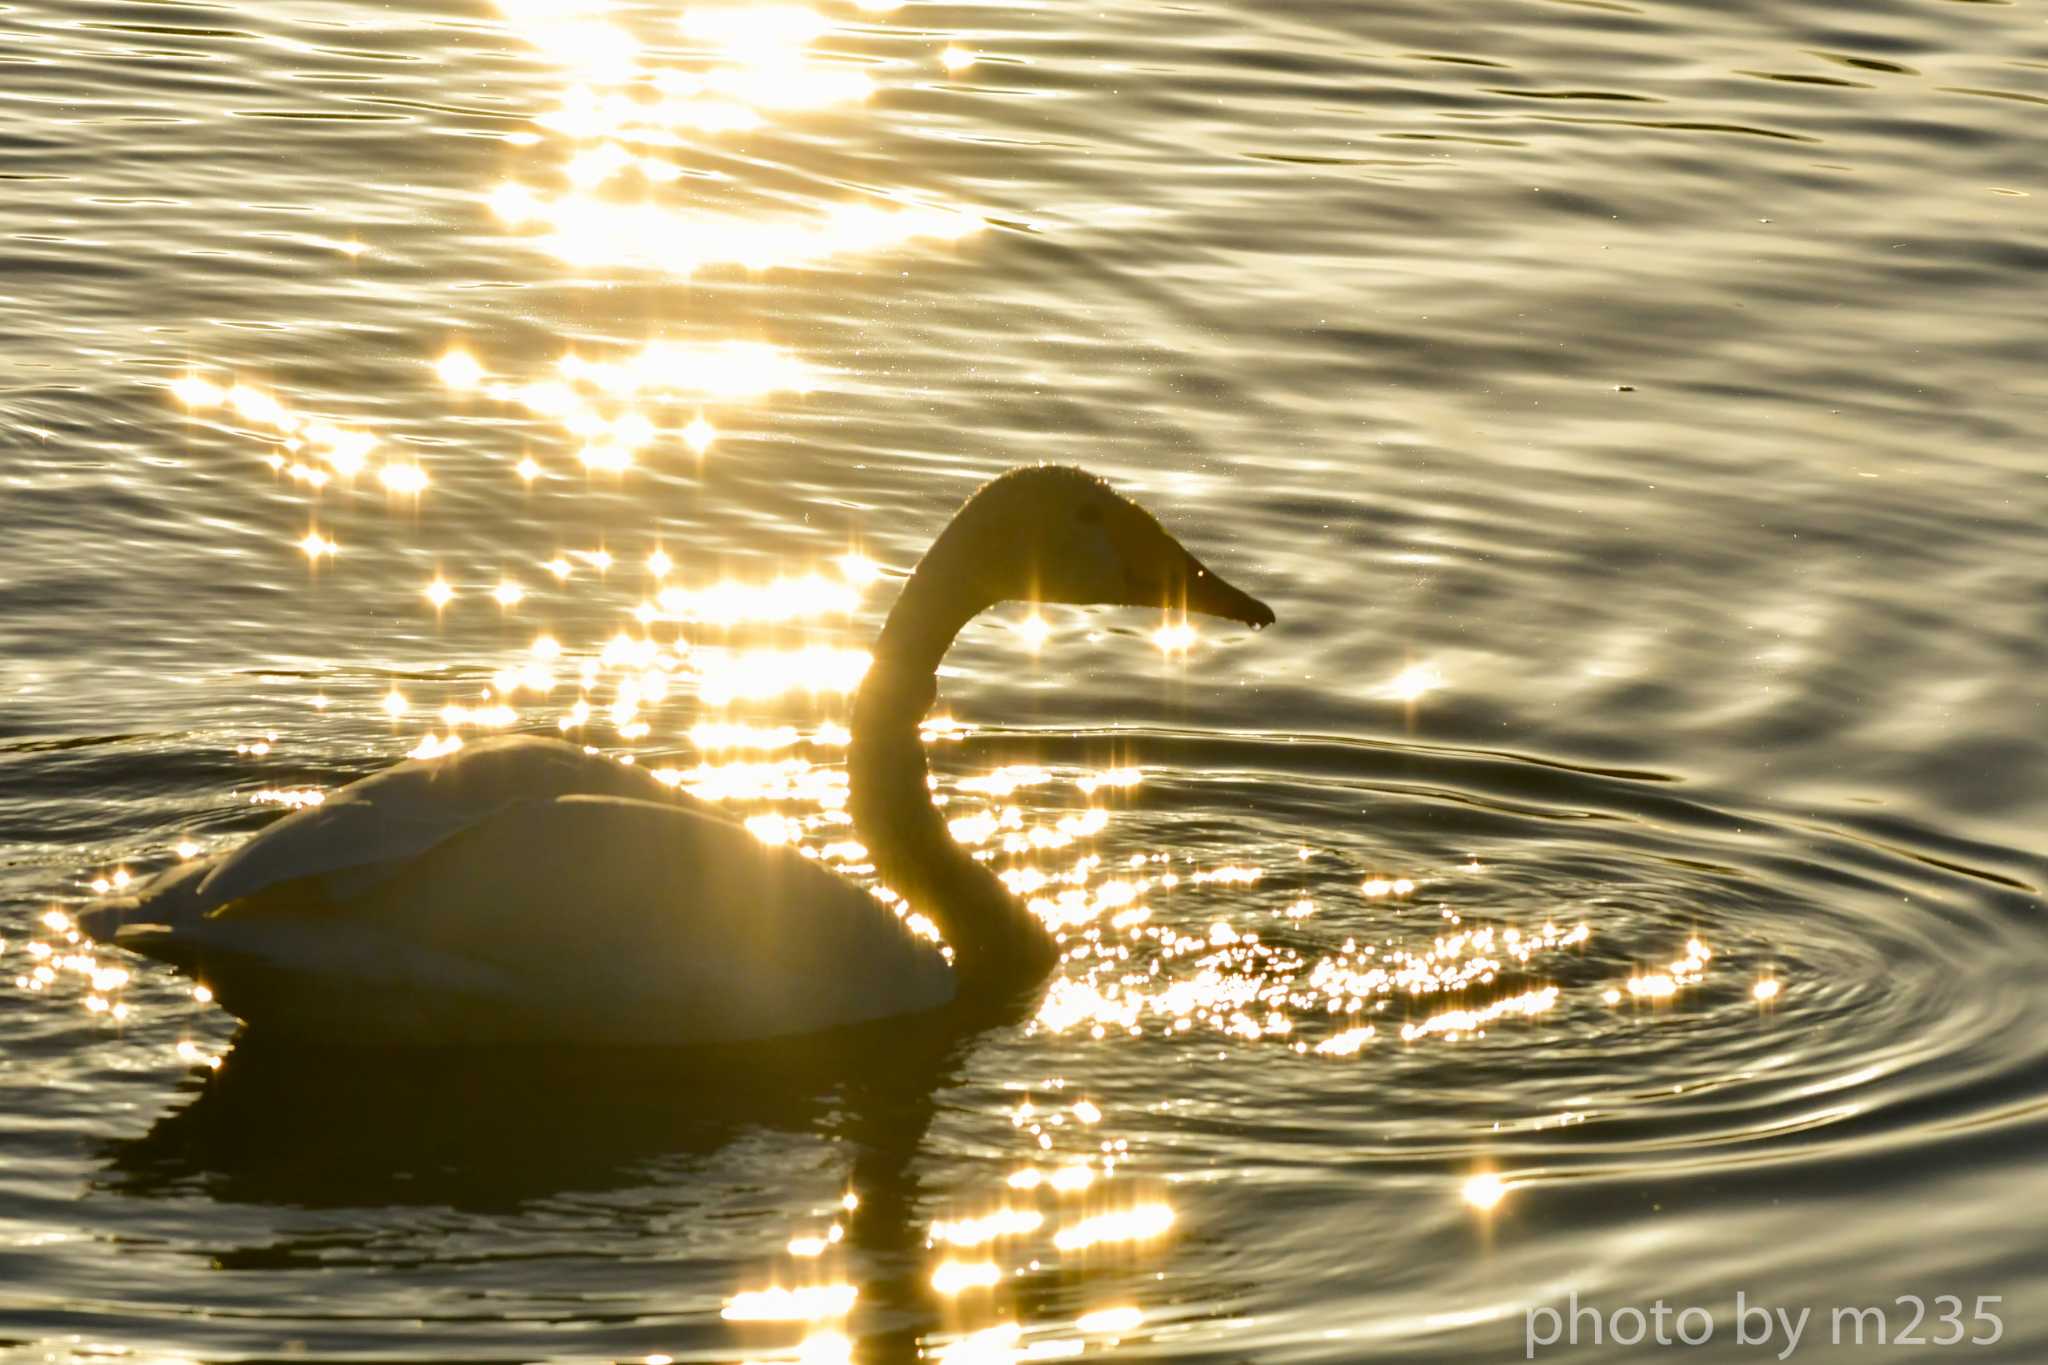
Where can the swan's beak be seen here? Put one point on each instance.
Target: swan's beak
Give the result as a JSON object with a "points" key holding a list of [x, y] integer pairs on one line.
{"points": [[1204, 591]]}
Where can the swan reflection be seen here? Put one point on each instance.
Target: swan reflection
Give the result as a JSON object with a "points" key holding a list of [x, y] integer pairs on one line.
{"points": [[399, 1130], [271, 1124]]}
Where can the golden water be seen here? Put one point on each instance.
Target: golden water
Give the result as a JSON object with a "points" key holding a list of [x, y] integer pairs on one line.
{"points": [[1618, 873]]}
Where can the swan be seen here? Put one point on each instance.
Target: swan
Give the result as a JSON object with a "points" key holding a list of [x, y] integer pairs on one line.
{"points": [[522, 890]]}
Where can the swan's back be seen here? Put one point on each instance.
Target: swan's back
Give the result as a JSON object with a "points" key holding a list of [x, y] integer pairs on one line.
{"points": [[370, 828]]}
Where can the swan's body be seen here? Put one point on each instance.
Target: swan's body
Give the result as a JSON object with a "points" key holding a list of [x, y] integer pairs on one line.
{"points": [[523, 890], [520, 889]]}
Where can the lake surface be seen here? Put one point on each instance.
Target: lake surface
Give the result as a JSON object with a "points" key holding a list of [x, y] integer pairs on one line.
{"points": [[1633, 412]]}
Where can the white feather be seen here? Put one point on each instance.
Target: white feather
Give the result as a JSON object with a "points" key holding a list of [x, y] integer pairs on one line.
{"points": [[369, 828]]}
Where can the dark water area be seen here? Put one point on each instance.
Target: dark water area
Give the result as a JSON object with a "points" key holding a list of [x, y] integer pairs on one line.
{"points": [[1618, 874]]}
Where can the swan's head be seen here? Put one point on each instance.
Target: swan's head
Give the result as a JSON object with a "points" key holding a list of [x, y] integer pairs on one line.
{"points": [[1052, 533]]}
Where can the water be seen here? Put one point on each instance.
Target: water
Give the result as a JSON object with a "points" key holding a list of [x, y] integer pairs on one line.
{"points": [[1631, 410]]}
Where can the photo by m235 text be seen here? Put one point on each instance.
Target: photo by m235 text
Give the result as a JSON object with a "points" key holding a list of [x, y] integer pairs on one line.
{"points": [[1908, 1320]]}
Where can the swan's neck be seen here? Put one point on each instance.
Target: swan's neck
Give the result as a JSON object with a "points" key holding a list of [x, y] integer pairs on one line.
{"points": [[996, 941]]}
